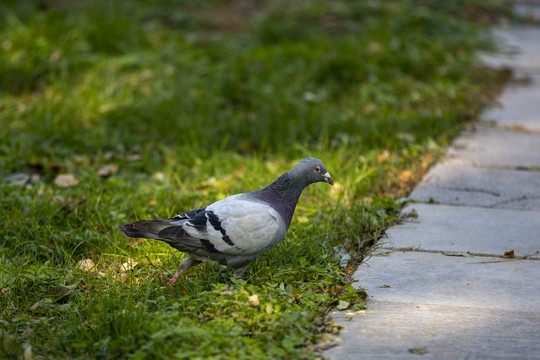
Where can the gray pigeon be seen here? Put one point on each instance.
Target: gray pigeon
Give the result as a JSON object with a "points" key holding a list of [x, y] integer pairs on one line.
{"points": [[236, 230]]}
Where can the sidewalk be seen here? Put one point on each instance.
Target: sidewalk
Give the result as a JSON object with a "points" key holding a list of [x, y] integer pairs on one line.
{"points": [[440, 286]]}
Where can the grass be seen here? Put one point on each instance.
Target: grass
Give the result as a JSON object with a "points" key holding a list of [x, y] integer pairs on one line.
{"points": [[193, 101]]}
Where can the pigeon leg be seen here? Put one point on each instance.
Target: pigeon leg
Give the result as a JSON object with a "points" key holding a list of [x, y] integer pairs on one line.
{"points": [[238, 273], [186, 264]]}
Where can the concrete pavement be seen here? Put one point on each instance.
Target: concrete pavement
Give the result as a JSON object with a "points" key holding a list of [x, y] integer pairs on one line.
{"points": [[462, 279]]}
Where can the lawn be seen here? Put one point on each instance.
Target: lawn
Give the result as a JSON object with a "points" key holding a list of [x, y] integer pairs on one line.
{"points": [[115, 111]]}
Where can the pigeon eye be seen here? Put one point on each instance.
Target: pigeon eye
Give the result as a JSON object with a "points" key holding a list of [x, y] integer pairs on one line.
{"points": [[317, 169]]}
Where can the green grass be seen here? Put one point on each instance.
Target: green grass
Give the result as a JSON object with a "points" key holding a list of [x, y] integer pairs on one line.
{"points": [[193, 102]]}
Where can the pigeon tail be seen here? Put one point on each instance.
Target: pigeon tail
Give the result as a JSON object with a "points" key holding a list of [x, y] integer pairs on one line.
{"points": [[130, 231], [150, 229]]}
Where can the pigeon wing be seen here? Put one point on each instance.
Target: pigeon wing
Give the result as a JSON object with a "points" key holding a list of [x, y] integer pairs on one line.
{"points": [[237, 225]]}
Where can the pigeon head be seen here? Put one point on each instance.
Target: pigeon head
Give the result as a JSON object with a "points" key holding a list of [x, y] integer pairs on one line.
{"points": [[283, 194], [310, 170]]}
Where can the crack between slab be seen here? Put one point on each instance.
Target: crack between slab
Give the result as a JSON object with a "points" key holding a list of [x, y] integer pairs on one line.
{"points": [[470, 189], [456, 253], [518, 199], [477, 206], [518, 128], [471, 164]]}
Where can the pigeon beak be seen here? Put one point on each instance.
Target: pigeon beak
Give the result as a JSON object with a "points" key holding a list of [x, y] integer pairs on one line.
{"points": [[328, 179]]}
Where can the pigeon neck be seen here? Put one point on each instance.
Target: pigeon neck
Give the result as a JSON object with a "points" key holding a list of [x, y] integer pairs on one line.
{"points": [[283, 195]]}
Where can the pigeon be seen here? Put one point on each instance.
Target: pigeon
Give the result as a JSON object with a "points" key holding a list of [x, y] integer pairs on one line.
{"points": [[236, 230]]}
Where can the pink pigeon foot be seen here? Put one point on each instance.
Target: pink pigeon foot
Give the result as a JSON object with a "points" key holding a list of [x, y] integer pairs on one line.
{"points": [[186, 264]]}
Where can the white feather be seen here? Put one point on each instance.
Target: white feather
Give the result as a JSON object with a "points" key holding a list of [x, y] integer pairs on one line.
{"points": [[251, 225]]}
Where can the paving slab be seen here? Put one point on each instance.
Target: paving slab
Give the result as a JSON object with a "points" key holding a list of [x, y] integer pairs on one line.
{"points": [[403, 331], [467, 229], [520, 50], [482, 187], [436, 279], [443, 307], [519, 107], [496, 148]]}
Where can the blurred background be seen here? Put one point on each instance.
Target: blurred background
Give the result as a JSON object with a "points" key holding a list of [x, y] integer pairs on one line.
{"points": [[265, 77], [119, 110]]}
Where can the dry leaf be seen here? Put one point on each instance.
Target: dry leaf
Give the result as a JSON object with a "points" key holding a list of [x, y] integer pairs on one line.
{"points": [[418, 351], [509, 254], [382, 157], [85, 265], [6, 291], [35, 306], [428, 160], [108, 170], [253, 300], [342, 305], [66, 180], [128, 265], [405, 175]]}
